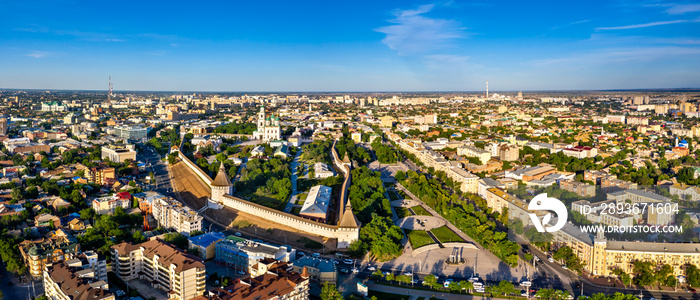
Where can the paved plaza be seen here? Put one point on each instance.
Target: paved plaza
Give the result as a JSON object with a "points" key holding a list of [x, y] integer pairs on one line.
{"points": [[420, 223], [405, 203]]}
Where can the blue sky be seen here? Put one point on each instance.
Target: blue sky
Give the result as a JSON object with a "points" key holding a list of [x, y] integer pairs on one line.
{"points": [[349, 45]]}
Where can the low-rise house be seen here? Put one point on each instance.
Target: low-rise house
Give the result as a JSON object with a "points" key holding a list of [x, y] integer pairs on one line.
{"points": [[316, 204], [206, 244], [320, 270], [322, 170]]}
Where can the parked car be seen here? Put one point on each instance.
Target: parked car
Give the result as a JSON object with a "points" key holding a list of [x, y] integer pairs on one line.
{"points": [[564, 267], [355, 270], [408, 274], [241, 272], [371, 268], [344, 271], [550, 259], [447, 282], [317, 255], [237, 234], [523, 293], [347, 261]]}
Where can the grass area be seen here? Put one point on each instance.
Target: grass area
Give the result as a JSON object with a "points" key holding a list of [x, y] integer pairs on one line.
{"points": [[393, 196], [270, 202], [446, 235], [387, 296], [419, 210], [402, 212], [301, 197], [418, 238], [241, 224], [309, 243]]}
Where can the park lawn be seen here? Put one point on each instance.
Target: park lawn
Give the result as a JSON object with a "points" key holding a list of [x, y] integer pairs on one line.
{"points": [[268, 201], [387, 296], [419, 210], [402, 212], [446, 235], [418, 238], [393, 196]]}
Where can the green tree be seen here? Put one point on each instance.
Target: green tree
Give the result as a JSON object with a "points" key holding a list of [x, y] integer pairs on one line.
{"points": [[692, 275], [330, 292]]}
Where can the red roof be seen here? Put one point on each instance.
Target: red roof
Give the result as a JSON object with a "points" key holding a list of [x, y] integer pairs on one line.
{"points": [[124, 195]]}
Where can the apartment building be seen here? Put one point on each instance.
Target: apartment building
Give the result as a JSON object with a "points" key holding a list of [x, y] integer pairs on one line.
{"points": [[580, 152], [100, 175], [57, 247], [471, 151], [530, 173], [468, 182], [685, 192], [64, 282], [119, 153], [276, 281], [24, 145], [170, 213], [613, 184], [595, 213], [163, 266], [107, 205], [595, 176], [579, 188], [135, 133]]}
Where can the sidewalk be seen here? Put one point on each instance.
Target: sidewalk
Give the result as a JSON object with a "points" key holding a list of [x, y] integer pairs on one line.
{"points": [[414, 294], [293, 198]]}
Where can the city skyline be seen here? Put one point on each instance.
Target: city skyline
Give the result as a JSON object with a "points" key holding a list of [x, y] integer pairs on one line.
{"points": [[363, 47]]}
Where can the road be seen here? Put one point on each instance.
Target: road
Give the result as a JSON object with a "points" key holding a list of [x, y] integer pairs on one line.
{"points": [[13, 289], [163, 184]]}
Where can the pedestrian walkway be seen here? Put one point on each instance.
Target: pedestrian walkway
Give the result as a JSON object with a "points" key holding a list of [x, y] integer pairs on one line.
{"points": [[435, 214], [293, 198]]}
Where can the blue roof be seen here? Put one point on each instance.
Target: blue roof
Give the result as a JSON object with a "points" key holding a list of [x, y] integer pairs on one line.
{"points": [[205, 240], [322, 264]]}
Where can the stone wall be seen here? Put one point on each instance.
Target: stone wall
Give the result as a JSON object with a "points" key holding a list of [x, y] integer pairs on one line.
{"points": [[204, 176], [304, 225]]}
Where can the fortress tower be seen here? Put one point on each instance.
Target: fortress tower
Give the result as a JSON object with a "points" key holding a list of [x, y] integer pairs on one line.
{"points": [[221, 185]]}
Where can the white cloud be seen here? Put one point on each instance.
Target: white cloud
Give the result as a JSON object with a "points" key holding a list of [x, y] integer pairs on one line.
{"points": [[38, 54], [414, 33], [639, 54], [679, 9], [634, 26]]}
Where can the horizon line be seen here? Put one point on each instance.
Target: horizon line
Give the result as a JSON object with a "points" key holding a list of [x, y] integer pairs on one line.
{"points": [[686, 89]]}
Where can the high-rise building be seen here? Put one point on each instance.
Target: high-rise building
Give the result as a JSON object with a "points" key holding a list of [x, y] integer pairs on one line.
{"points": [[72, 281], [172, 214], [3, 126], [165, 267]]}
